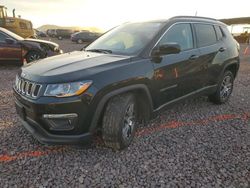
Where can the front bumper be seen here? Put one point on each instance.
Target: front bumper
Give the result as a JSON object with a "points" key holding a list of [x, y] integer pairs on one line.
{"points": [[45, 137], [36, 117]]}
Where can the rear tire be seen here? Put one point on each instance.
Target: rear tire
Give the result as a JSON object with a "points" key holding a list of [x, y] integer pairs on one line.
{"points": [[119, 121], [224, 89]]}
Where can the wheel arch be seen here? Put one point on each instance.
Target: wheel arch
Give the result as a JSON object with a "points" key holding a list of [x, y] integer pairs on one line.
{"points": [[35, 51], [143, 98], [233, 67]]}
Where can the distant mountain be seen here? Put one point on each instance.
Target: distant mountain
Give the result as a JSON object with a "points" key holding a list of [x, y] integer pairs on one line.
{"points": [[46, 27]]}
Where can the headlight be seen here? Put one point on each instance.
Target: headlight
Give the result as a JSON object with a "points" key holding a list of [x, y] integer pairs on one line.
{"points": [[58, 50], [67, 89]]}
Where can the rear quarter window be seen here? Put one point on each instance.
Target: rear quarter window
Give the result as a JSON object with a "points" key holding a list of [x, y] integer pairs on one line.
{"points": [[205, 34], [218, 32], [226, 32]]}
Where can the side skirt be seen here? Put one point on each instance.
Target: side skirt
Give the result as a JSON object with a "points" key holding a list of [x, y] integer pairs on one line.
{"points": [[203, 91]]}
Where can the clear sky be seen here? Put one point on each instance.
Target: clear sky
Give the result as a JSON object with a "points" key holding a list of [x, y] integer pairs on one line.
{"points": [[105, 14]]}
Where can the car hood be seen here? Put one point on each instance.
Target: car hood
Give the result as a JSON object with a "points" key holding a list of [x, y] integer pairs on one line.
{"points": [[40, 41], [72, 66]]}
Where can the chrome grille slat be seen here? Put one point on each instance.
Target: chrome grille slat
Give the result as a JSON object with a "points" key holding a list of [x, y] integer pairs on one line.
{"points": [[27, 88], [36, 91], [23, 87], [32, 89], [19, 85]]}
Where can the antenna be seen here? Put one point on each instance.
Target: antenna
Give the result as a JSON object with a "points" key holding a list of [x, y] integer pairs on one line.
{"points": [[196, 13]]}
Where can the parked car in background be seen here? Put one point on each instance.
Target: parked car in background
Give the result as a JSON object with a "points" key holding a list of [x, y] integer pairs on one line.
{"points": [[51, 33], [14, 48], [63, 33], [40, 33], [84, 36]]}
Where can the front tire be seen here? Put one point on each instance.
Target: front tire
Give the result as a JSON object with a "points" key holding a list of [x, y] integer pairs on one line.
{"points": [[119, 121], [32, 56], [79, 41], [224, 89]]}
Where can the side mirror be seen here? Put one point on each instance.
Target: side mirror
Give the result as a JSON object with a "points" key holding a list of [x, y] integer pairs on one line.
{"points": [[10, 41], [164, 49]]}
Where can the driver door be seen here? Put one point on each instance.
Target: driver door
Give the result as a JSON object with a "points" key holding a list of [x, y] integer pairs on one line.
{"points": [[175, 74]]}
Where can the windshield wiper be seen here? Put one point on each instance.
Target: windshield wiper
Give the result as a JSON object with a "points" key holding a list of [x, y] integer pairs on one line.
{"points": [[100, 51]]}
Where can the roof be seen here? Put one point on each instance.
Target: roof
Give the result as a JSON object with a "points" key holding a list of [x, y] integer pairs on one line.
{"points": [[197, 19], [187, 19], [194, 17], [232, 21]]}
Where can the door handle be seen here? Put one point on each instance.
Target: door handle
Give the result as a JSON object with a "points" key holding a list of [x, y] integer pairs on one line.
{"points": [[222, 49], [193, 57]]}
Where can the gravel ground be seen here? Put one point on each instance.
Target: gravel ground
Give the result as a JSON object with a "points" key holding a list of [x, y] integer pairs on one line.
{"points": [[193, 144]]}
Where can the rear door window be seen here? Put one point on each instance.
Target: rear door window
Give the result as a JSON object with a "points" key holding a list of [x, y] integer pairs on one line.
{"points": [[205, 34]]}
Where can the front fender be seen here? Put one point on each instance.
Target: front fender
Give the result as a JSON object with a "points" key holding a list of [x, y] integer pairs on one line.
{"points": [[105, 98], [28, 47]]}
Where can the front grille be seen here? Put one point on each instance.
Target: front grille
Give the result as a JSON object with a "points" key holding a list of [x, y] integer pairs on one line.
{"points": [[27, 88]]}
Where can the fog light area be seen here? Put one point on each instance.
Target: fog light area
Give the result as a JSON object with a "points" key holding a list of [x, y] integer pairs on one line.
{"points": [[61, 122]]}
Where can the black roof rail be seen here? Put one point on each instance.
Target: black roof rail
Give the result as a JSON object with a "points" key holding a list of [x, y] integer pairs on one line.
{"points": [[195, 17]]}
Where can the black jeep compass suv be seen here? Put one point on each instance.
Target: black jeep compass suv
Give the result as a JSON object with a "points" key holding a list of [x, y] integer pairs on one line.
{"points": [[124, 77]]}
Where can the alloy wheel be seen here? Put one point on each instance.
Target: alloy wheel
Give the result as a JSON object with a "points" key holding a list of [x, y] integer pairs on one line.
{"points": [[34, 57], [226, 87], [129, 122]]}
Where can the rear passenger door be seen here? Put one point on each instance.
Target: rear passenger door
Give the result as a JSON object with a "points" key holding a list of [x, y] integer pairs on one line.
{"points": [[222, 55], [211, 49]]}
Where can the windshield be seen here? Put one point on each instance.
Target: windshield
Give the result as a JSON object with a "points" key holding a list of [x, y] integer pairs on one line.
{"points": [[11, 34], [127, 39]]}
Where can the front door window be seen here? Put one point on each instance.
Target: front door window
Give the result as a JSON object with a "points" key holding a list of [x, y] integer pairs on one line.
{"points": [[181, 34]]}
